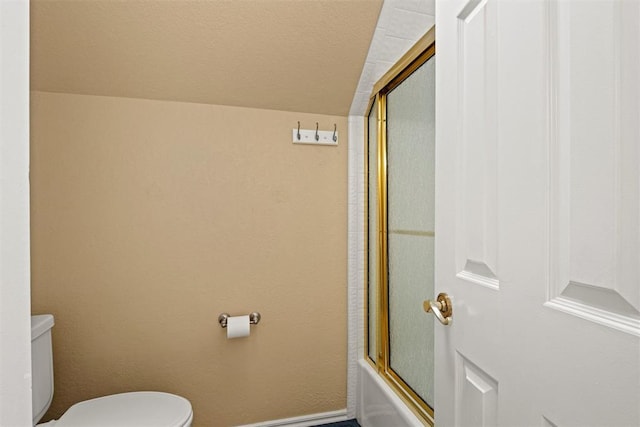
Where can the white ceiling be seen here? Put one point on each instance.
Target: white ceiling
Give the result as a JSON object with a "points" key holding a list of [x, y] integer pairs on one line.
{"points": [[292, 55]]}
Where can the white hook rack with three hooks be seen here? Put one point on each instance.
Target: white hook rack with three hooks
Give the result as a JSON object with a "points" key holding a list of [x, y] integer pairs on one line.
{"points": [[315, 136]]}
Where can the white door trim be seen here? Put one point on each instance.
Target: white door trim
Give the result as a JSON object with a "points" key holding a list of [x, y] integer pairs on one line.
{"points": [[15, 326]]}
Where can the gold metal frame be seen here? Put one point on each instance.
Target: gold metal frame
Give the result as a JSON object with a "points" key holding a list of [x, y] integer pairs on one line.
{"points": [[420, 53], [367, 357]]}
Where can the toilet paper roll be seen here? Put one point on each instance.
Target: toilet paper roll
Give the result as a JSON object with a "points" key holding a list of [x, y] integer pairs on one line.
{"points": [[238, 327]]}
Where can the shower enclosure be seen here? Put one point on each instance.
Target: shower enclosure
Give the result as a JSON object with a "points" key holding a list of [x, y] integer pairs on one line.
{"points": [[400, 171]]}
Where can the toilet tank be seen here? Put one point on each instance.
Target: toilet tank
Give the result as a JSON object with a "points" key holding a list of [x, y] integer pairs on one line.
{"points": [[41, 365]]}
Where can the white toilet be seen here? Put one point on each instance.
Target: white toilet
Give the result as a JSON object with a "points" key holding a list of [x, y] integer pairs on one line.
{"points": [[136, 409]]}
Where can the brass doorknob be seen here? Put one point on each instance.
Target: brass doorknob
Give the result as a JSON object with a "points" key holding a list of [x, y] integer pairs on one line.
{"points": [[441, 308]]}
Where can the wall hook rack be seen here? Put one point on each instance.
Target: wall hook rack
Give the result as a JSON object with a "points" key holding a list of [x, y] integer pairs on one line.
{"points": [[315, 136]]}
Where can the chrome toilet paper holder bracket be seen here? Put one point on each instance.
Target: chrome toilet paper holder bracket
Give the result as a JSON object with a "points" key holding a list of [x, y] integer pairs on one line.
{"points": [[254, 318]]}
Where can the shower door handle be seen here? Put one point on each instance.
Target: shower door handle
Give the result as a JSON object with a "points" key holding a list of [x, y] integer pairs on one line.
{"points": [[441, 308]]}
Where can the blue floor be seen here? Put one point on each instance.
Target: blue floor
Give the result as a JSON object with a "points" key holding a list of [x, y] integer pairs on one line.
{"points": [[348, 423]]}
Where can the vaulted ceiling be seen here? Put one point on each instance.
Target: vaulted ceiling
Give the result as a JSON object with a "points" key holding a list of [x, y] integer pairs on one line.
{"points": [[292, 55]]}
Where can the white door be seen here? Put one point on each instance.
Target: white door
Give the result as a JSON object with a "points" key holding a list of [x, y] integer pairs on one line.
{"points": [[538, 211], [15, 320]]}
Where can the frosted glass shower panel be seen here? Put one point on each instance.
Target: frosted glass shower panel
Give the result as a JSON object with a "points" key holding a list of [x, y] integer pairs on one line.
{"points": [[372, 240], [410, 227]]}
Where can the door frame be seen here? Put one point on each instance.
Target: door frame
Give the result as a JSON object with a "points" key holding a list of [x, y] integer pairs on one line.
{"points": [[15, 326]]}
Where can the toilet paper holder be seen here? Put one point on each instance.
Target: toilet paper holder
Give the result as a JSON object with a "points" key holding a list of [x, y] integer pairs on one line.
{"points": [[254, 318]]}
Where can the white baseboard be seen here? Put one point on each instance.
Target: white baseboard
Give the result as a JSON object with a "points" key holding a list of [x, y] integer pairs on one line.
{"points": [[305, 420]]}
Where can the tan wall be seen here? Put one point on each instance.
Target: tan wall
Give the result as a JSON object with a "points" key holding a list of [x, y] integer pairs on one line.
{"points": [[149, 218]]}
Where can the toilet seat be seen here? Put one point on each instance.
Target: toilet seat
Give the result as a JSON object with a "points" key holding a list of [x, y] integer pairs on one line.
{"points": [[135, 409]]}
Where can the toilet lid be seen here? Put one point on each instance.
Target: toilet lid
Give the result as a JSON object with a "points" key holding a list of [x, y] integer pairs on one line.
{"points": [[136, 409]]}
